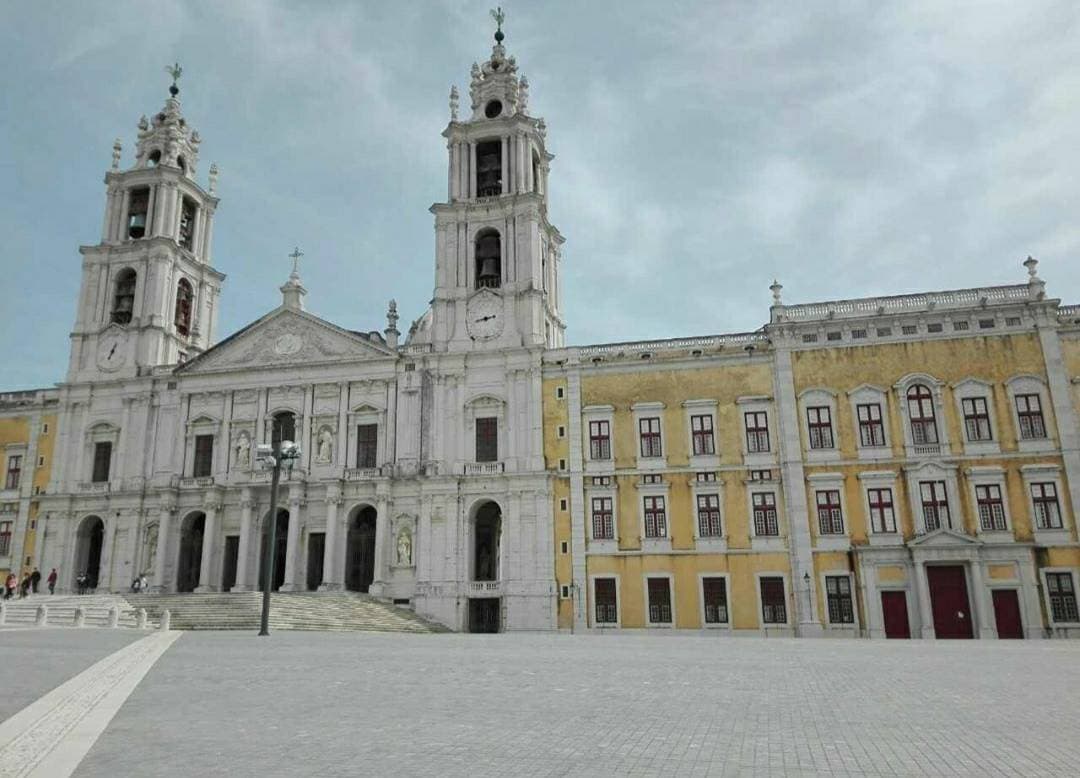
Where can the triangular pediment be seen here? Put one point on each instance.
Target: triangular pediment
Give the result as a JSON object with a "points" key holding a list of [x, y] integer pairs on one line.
{"points": [[286, 337], [943, 537]]}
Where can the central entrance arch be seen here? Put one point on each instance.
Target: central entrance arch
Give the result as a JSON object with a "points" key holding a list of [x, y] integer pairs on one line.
{"points": [[281, 549], [189, 563], [88, 545], [360, 550]]}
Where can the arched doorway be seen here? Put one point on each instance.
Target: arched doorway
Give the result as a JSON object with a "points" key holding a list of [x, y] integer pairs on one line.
{"points": [[189, 562], [360, 550], [88, 550], [486, 531], [281, 548]]}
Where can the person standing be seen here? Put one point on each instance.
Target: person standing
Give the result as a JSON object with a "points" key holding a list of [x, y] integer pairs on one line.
{"points": [[24, 587], [9, 586], [52, 581], [35, 579]]}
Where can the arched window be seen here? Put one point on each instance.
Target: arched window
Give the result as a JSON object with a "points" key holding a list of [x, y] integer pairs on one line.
{"points": [[124, 298], [488, 260], [284, 428], [154, 159], [184, 297], [181, 163], [921, 414], [138, 208], [489, 168]]}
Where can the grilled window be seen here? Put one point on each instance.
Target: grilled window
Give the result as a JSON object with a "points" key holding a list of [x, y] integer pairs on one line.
{"points": [[649, 430], [714, 598], [659, 601], [14, 472], [599, 440], [1044, 498], [838, 595], [603, 524], [1062, 597], [871, 428], [701, 428], [708, 516], [976, 419], [607, 611], [1029, 414], [935, 505], [655, 517], [990, 506], [773, 601], [819, 423], [765, 521], [757, 431], [882, 515], [830, 517]]}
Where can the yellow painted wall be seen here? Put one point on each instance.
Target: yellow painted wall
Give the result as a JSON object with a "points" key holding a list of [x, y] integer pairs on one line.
{"points": [[18, 430], [1005, 572], [556, 448], [891, 574]]}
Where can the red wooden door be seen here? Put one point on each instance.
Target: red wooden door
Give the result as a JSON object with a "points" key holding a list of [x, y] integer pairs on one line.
{"points": [[1007, 614], [894, 613], [949, 601]]}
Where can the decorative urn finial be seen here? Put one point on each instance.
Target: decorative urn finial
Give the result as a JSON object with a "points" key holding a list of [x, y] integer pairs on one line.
{"points": [[116, 149], [453, 103], [776, 288]]}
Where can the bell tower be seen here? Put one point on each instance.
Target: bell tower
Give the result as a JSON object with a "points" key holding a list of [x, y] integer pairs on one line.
{"points": [[149, 293], [497, 268]]}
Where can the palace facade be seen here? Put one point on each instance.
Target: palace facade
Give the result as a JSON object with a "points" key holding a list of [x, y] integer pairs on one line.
{"points": [[900, 466]]}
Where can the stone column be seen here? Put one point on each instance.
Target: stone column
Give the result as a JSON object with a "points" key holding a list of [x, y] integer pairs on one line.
{"points": [[984, 626], [104, 581], [210, 509], [159, 209], [125, 203], [505, 166], [293, 542], [168, 508], [472, 169], [922, 593], [383, 541], [208, 239], [244, 552], [331, 582]]}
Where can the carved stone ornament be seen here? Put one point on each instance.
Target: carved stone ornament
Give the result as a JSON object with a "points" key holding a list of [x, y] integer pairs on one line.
{"points": [[404, 547], [325, 446]]}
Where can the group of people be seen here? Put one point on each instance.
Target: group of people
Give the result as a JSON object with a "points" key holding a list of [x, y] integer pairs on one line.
{"points": [[140, 584], [28, 585]]}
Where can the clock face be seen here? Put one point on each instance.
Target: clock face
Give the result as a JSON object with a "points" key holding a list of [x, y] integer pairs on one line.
{"points": [[483, 317], [111, 353]]}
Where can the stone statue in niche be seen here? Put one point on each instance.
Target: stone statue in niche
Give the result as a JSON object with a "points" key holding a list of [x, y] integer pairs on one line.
{"points": [[326, 446], [404, 548], [243, 450]]}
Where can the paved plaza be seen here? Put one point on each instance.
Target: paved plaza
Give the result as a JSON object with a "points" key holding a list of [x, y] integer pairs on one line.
{"points": [[296, 703]]}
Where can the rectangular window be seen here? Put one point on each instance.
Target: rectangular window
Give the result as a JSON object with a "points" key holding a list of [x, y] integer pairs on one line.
{"points": [[819, 422], [650, 437], [1045, 501], [708, 516], [714, 598], [765, 522], [5, 538], [991, 507], [830, 517], [757, 431], [102, 461], [976, 419], [607, 611], [935, 505], [659, 601], [1030, 415], [1062, 595], [655, 518], [882, 515], [367, 445], [14, 472], [701, 427], [599, 440], [603, 525], [871, 428], [487, 439], [773, 604], [838, 594], [204, 456]]}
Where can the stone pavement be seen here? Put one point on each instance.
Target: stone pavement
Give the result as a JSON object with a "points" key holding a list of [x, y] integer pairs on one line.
{"points": [[629, 704]]}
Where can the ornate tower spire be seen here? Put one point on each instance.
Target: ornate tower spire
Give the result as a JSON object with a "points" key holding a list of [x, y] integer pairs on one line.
{"points": [[167, 139], [292, 291]]}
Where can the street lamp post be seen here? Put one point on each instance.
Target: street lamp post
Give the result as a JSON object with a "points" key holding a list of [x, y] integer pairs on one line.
{"points": [[273, 457]]}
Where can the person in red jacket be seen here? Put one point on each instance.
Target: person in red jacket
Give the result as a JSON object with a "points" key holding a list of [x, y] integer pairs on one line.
{"points": [[52, 581]]}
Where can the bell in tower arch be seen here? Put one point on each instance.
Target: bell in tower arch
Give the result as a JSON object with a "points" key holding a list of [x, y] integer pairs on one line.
{"points": [[488, 260]]}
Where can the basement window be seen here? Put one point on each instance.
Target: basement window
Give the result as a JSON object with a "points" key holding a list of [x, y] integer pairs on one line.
{"points": [[936, 327]]}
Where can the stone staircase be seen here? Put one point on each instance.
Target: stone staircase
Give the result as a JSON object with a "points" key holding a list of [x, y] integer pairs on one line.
{"points": [[23, 612], [325, 611]]}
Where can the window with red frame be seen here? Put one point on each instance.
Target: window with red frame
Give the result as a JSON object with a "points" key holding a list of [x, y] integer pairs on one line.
{"points": [[603, 525], [765, 521], [708, 516], [659, 601], [976, 419], [1029, 414], [921, 414], [701, 428], [1044, 498], [871, 427], [935, 505], [14, 472], [655, 518], [607, 610], [599, 440], [819, 423], [882, 514], [650, 437], [991, 507], [830, 516], [757, 431], [5, 538], [714, 598], [773, 600]]}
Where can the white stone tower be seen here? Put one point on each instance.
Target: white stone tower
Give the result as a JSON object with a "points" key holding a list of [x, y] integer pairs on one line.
{"points": [[497, 280], [149, 293]]}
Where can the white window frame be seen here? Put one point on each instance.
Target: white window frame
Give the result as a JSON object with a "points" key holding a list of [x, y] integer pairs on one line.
{"points": [[598, 413], [649, 410], [592, 602], [990, 475], [788, 600], [702, 408], [940, 420], [766, 542], [973, 388], [1031, 384], [612, 492], [881, 479], [758, 460], [726, 627], [662, 489], [839, 626], [934, 471], [828, 482], [711, 544], [1047, 473], [645, 597], [812, 398], [868, 394]]}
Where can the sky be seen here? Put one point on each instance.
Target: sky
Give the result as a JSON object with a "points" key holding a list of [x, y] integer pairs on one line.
{"points": [[702, 149]]}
